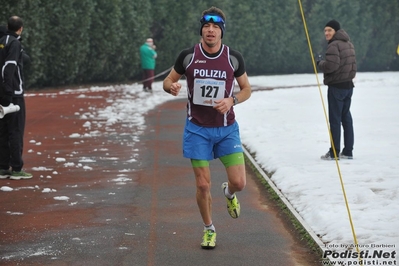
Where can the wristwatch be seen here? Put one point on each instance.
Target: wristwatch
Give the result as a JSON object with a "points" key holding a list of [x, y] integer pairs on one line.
{"points": [[235, 100]]}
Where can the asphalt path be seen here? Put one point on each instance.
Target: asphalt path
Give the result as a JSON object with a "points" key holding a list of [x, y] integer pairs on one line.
{"points": [[121, 195]]}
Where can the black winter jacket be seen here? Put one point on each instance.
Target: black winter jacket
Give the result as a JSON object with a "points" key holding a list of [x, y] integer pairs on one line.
{"points": [[11, 62]]}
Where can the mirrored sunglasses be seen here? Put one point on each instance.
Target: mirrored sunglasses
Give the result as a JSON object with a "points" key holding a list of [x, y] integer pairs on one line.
{"points": [[212, 18]]}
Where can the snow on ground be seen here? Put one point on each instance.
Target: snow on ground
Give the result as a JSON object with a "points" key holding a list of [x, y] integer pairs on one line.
{"points": [[287, 130]]}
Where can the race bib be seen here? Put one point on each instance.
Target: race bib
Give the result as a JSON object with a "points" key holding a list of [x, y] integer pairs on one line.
{"points": [[207, 91]]}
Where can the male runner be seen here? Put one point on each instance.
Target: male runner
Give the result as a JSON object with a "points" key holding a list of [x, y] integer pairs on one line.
{"points": [[211, 130]]}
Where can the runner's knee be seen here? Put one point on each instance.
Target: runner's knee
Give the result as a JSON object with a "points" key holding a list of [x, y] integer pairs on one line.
{"points": [[201, 170], [234, 164], [239, 184]]}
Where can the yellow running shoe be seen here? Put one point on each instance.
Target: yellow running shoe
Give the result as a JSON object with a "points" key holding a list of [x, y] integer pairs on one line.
{"points": [[233, 205], [209, 239]]}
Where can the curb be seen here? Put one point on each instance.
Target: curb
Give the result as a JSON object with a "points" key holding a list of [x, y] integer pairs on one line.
{"points": [[316, 242]]}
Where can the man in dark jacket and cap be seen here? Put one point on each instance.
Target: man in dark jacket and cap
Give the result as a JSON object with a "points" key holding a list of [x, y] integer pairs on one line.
{"points": [[339, 68], [12, 125]]}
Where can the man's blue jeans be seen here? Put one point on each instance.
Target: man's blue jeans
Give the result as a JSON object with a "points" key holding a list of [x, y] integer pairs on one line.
{"points": [[339, 103]]}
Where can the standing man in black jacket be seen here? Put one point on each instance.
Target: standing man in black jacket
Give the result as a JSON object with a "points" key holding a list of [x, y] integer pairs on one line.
{"points": [[12, 125], [339, 68]]}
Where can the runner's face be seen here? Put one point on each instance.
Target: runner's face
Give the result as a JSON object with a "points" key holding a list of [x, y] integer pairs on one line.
{"points": [[211, 34], [329, 33]]}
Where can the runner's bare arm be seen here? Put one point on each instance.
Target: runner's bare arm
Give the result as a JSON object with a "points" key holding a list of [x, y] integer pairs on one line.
{"points": [[171, 84], [245, 88]]}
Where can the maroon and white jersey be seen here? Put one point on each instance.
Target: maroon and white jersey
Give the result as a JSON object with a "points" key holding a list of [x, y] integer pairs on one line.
{"points": [[209, 79]]}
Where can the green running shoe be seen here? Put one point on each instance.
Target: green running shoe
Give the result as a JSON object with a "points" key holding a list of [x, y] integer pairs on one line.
{"points": [[233, 205], [20, 175], [209, 239]]}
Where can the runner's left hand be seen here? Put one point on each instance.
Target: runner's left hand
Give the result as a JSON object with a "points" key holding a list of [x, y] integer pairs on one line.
{"points": [[223, 105]]}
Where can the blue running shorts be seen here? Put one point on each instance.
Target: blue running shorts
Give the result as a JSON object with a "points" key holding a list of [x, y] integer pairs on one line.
{"points": [[207, 143]]}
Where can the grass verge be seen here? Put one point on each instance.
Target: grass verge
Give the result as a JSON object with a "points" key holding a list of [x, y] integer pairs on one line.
{"points": [[292, 222]]}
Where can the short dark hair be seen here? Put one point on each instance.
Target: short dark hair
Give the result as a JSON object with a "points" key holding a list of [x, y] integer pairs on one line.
{"points": [[15, 23], [214, 10]]}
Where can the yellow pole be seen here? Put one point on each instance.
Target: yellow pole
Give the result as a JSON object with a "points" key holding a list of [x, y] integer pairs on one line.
{"points": [[331, 139]]}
